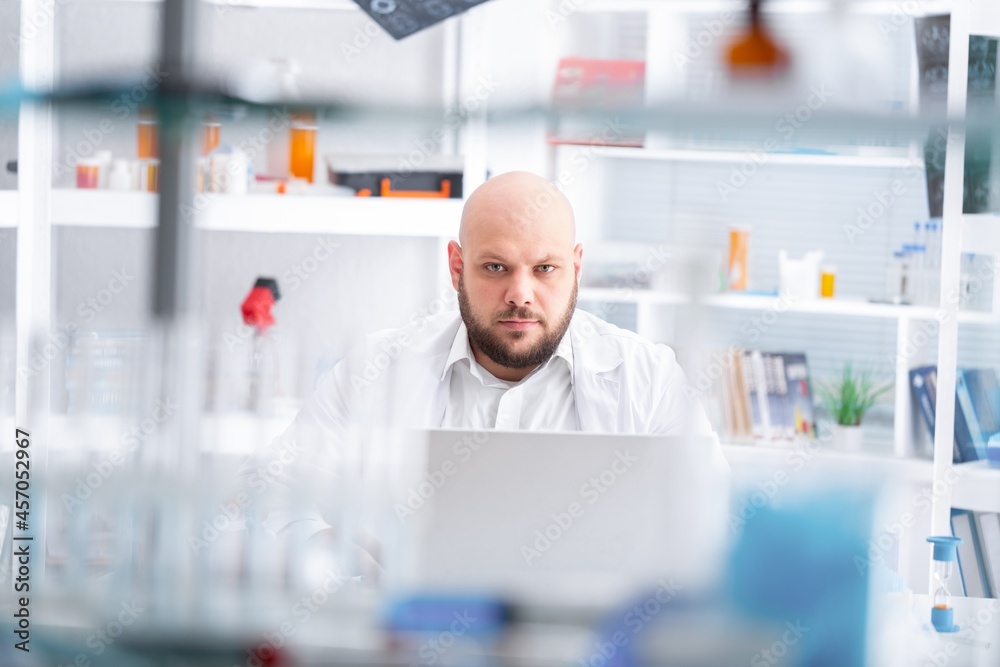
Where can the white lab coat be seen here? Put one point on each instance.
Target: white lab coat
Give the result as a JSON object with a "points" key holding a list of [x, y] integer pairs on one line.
{"points": [[622, 384]]}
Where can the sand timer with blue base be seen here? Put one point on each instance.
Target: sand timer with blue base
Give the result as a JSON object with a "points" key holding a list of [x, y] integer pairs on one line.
{"points": [[945, 554]]}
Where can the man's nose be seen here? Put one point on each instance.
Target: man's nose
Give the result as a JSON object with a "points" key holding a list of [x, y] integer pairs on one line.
{"points": [[520, 291]]}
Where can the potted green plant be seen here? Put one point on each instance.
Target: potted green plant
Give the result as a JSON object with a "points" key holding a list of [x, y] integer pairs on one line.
{"points": [[848, 399]]}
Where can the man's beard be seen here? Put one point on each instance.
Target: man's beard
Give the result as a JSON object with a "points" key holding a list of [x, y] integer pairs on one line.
{"points": [[493, 345]]}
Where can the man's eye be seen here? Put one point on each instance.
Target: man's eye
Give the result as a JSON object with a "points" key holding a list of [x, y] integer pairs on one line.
{"points": [[546, 268], [494, 268]]}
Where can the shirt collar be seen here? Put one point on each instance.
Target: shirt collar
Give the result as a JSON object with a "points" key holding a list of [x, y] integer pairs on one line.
{"points": [[462, 349]]}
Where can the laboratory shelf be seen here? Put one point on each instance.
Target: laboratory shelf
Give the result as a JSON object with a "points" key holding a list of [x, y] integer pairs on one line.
{"points": [[838, 307], [774, 158], [628, 295], [799, 456], [103, 208], [374, 216], [365, 216], [977, 487], [841, 307], [8, 208], [981, 233]]}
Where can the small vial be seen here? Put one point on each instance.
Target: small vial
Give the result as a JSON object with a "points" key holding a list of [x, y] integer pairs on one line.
{"points": [[827, 281], [211, 130], [918, 268], [933, 260], [906, 274], [894, 279], [148, 136], [88, 173]]}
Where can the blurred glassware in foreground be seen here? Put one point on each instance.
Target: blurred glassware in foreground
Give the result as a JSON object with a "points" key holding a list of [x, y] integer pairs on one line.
{"points": [[756, 54]]}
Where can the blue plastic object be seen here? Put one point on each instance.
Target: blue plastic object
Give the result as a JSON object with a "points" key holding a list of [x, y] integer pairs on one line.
{"points": [[945, 548], [801, 562], [473, 615], [943, 620]]}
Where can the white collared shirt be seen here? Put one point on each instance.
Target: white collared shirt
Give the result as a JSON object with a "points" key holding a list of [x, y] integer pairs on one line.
{"points": [[542, 401]]}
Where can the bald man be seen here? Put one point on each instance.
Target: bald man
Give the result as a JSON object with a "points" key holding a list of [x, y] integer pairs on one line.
{"points": [[517, 355]]}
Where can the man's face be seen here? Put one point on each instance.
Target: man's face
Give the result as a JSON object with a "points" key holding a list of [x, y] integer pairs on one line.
{"points": [[517, 289], [515, 337]]}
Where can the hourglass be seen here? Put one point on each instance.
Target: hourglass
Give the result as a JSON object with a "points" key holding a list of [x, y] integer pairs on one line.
{"points": [[945, 554]]}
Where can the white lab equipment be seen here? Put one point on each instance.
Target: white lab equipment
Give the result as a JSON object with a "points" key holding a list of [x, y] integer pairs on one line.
{"points": [[799, 278]]}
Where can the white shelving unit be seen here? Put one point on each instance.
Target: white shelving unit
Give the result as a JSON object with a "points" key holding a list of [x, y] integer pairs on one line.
{"points": [[840, 307], [911, 470], [333, 215], [970, 485], [979, 486], [103, 208], [794, 159], [262, 213]]}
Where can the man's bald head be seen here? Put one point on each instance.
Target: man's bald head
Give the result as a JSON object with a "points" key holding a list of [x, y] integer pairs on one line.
{"points": [[516, 270], [515, 199]]}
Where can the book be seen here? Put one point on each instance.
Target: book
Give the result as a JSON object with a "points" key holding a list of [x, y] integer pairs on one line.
{"points": [[984, 392], [798, 399], [977, 407], [764, 396], [782, 425], [988, 524], [753, 364], [744, 411], [923, 383], [963, 526], [729, 419], [971, 444]]}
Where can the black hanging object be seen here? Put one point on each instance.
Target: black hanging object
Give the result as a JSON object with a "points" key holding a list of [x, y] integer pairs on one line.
{"points": [[402, 18]]}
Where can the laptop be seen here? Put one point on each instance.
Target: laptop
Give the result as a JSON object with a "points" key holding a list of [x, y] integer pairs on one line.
{"points": [[583, 516]]}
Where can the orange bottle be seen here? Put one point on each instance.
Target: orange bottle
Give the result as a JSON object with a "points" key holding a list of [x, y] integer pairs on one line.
{"points": [[302, 146], [148, 136], [210, 131], [756, 52]]}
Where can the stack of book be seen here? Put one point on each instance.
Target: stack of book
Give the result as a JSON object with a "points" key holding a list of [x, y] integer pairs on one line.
{"points": [[761, 396], [977, 417]]}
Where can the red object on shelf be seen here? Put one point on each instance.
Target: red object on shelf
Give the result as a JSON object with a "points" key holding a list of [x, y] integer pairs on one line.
{"points": [[589, 84], [256, 307]]}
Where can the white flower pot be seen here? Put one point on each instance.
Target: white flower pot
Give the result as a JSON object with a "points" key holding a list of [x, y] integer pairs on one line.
{"points": [[848, 438]]}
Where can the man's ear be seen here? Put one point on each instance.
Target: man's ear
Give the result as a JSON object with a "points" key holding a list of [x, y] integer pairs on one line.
{"points": [[578, 260], [455, 262]]}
